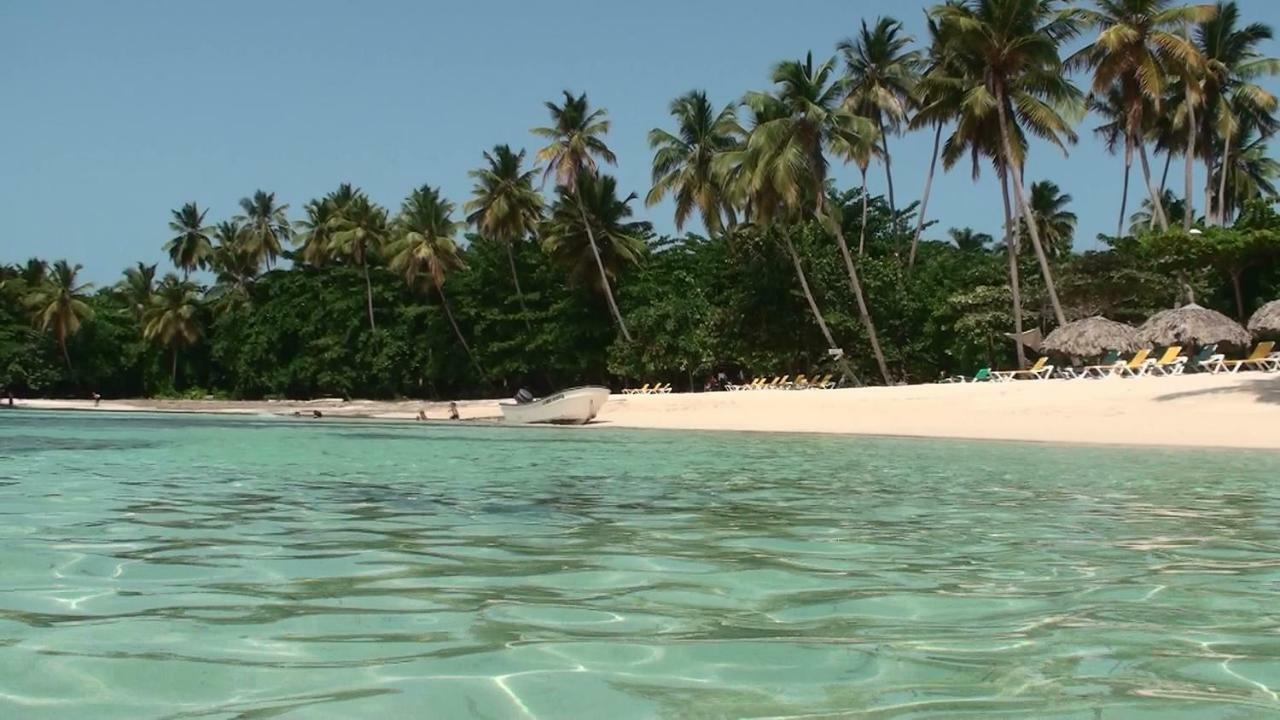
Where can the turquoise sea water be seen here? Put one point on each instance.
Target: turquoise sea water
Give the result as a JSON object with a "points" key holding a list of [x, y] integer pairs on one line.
{"points": [[205, 567]]}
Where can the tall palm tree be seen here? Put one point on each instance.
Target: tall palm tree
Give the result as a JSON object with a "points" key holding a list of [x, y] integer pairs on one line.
{"points": [[1231, 97], [575, 142], [236, 261], [1010, 48], [967, 240], [612, 239], [684, 162], [357, 233], [315, 231], [58, 304], [881, 72], [938, 64], [1110, 107], [423, 249], [1250, 173], [190, 248], [786, 157], [137, 286], [173, 319], [504, 205], [1137, 50], [1057, 225], [266, 226]]}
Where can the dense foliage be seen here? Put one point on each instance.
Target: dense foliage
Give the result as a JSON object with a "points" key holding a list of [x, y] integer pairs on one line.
{"points": [[568, 285]]}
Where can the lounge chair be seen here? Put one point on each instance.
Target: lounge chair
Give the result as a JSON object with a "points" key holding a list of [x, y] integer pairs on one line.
{"points": [[779, 383], [800, 383], [643, 389], [1171, 362], [1040, 371], [1262, 357], [661, 389], [983, 375], [1109, 364], [1199, 362], [823, 383], [1133, 367]]}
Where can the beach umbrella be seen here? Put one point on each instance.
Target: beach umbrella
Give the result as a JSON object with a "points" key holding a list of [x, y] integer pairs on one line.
{"points": [[1192, 325], [1266, 321], [1091, 337]]}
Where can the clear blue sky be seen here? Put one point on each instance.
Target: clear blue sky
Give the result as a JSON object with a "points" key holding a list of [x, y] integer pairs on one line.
{"points": [[116, 112]]}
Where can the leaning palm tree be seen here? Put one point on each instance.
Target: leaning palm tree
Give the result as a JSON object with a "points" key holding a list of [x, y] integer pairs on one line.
{"points": [[357, 233], [504, 205], [786, 161], [58, 304], [609, 239], [881, 72], [938, 64], [1137, 50], [137, 287], [575, 142], [423, 250], [190, 248], [1057, 225], [1010, 52], [684, 161], [266, 226], [1233, 101], [173, 319]]}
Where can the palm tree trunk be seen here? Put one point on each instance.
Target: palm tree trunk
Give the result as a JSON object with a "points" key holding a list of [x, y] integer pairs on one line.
{"points": [[173, 369], [862, 234], [1223, 207], [1019, 197], [66, 356], [1011, 246], [1189, 211], [1237, 288], [1124, 197], [448, 312], [888, 176], [368, 294], [1157, 204], [604, 277], [863, 313], [924, 201], [813, 307], [1164, 176], [515, 278], [1209, 217]]}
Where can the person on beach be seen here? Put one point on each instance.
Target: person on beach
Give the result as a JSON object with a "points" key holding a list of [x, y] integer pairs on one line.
{"points": [[97, 399], [316, 414], [453, 411], [422, 414]]}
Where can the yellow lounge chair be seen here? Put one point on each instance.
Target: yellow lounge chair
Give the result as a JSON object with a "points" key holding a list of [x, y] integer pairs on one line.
{"points": [[1170, 363], [825, 382], [1039, 371], [1262, 357], [661, 389], [1134, 366], [636, 391], [801, 382], [779, 383]]}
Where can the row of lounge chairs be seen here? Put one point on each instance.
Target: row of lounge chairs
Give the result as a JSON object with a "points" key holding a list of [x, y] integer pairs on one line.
{"points": [[784, 382], [647, 389], [1141, 364]]}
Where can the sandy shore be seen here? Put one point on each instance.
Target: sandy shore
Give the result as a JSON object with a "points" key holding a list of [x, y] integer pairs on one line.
{"points": [[1233, 411]]}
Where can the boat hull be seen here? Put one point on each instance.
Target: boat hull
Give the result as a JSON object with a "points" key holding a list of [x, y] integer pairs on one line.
{"points": [[575, 406]]}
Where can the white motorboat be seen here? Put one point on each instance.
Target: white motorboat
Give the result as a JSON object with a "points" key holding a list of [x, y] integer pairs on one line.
{"points": [[575, 406]]}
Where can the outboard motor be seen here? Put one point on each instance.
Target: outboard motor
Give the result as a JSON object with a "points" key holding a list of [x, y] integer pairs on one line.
{"points": [[523, 396]]}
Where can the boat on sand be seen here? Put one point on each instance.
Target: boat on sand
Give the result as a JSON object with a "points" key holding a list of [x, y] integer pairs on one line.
{"points": [[575, 406]]}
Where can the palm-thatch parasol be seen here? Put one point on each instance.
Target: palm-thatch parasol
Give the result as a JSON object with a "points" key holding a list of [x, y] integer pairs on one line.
{"points": [[1266, 321], [1091, 337], [1192, 325]]}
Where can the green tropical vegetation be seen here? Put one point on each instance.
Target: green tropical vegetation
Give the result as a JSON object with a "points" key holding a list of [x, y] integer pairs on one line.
{"points": [[550, 275]]}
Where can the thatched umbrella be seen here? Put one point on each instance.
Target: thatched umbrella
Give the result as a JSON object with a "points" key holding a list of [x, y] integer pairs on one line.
{"points": [[1192, 325], [1091, 337], [1266, 321]]}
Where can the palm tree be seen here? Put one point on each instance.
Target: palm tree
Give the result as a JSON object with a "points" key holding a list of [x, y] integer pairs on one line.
{"points": [[967, 240], [940, 64], [504, 205], [138, 286], [1232, 100], [575, 140], [1057, 225], [1136, 51], [236, 260], [1143, 220], [190, 248], [266, 226], [173, 319], [315, 232], [1250, 173], [786, 166], [683, 163], [423, 249], [58, 303], [880, 77], [1110, 106], [612, 241], [1009, 49], [357, 233]]}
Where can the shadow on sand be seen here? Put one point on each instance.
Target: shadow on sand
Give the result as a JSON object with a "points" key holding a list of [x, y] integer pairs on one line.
{"points": [[1264, 388]]}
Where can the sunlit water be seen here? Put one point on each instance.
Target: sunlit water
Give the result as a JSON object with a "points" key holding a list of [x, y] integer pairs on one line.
{"points": [[202, 567]]}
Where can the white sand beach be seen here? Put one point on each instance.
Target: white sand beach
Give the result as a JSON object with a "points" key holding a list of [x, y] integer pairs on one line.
{"points": [[1230, 411]]}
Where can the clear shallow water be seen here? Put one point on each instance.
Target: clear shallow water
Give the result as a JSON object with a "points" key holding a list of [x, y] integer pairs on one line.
{"points": [[201, 567]]}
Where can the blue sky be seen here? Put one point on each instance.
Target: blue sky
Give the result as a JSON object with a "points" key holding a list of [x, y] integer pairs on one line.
{"points": [[116, 112]]}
